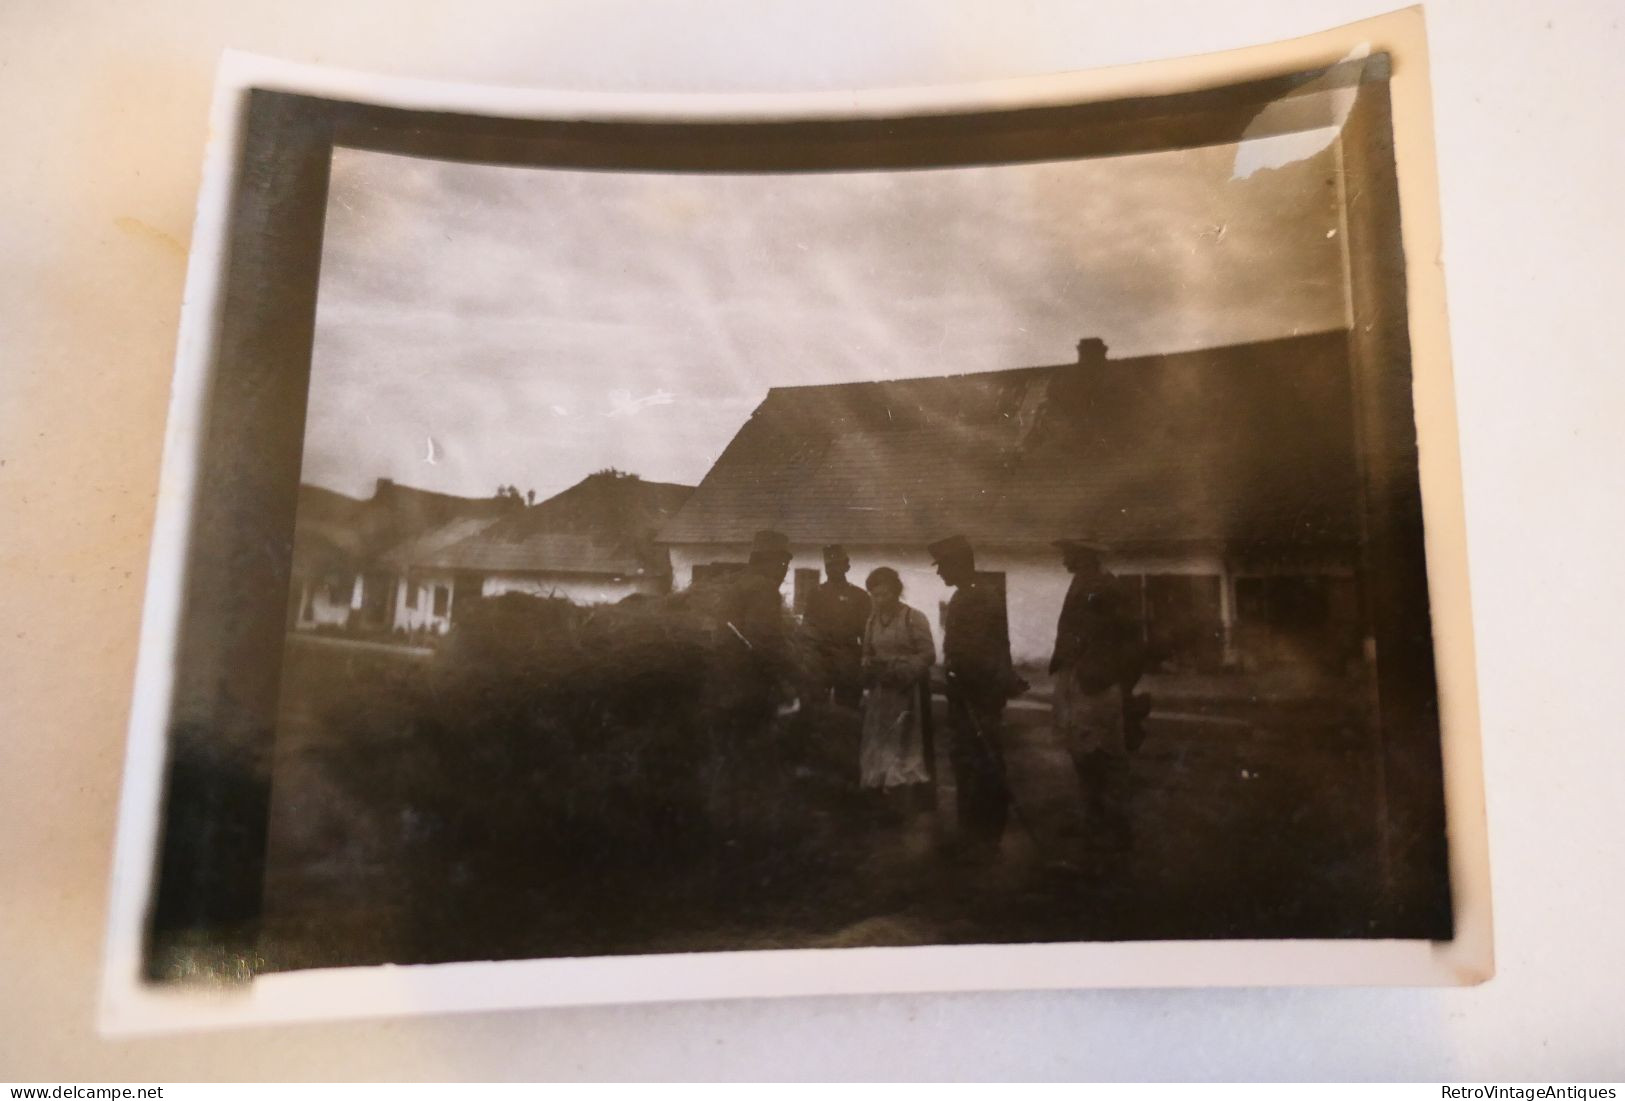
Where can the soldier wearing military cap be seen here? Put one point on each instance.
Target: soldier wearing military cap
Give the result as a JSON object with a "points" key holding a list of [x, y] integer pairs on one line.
{"points": [[755, 614], [837, 613], [770, 556], [1098, 658], [981, 680], [750, 668]]}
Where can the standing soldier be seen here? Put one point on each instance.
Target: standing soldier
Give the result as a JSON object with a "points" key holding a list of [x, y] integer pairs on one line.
{"points": [[1097, 661], [754, 654], [837, 613], [981, 679], [749, 668]]}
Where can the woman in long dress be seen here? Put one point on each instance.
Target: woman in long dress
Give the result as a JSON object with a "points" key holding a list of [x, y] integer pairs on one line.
{"points": [[898, 653]]}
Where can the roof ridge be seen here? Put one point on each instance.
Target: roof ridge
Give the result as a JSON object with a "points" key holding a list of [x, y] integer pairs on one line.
{"points": [[1205, 349], [418, 491], [803, 387], [1203, 445]]}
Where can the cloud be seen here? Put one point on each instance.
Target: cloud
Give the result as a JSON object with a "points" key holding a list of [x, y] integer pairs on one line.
{"points": [[623, 404], [471, 304]]}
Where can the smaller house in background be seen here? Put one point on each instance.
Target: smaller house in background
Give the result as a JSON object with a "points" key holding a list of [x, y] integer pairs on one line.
{"points": [[423, 599], [329, 550], [341, 576], [593, 543]]}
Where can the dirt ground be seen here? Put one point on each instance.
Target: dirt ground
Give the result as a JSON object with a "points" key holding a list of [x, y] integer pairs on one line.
{"points": [[1252, 818]]}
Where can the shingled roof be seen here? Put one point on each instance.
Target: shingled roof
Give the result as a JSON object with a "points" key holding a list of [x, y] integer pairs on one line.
{"points": [[604, 524], [335, 532], [1249, 443], [426, 545], [327, 531], [397, 513]]}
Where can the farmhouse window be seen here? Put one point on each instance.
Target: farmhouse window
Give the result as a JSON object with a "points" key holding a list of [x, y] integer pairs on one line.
{"points": [[806, 585], [1183, 620]]}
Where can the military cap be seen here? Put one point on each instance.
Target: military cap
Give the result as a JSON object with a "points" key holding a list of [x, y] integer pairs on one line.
{"points": [[834, 552], [770, 544], [1079, 544], [953, 547]]}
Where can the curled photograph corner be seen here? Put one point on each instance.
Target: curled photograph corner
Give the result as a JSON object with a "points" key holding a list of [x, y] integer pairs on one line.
{"points": [[1264, 146]]}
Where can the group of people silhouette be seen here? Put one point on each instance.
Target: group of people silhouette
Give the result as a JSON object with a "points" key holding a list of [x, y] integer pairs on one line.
{"points": [[870, 651]]}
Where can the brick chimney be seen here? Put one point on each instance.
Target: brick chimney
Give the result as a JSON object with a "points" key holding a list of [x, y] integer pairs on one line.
{"points": [[1091, 351]]}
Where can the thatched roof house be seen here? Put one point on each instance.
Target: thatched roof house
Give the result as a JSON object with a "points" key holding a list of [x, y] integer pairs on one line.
{"points": [[1198, 470]]}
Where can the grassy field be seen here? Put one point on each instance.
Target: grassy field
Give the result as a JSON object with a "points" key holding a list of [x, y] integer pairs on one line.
{"points": [[389, 844]]}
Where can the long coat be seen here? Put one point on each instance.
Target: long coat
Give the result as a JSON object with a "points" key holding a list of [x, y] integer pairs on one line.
{"points": [[897, 657], [1095, 637], [976, 646]]}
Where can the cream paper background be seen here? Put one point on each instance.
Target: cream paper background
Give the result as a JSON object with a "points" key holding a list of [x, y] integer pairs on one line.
{"points": [[104, 128]]}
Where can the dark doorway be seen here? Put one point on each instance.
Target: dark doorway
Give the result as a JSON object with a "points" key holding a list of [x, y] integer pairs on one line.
{"points": [[1288, 620], [1184, 627], [466, 589], [377, 600]]}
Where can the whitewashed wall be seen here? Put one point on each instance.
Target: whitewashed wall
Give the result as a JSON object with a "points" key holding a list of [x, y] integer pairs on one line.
{"points": [[317, 609], [419, 615], [1035, 582], [582, 590]]}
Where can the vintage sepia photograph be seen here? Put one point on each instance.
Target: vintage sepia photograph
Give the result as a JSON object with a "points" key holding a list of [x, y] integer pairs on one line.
{"points": [[706, 562], [702, 537]]}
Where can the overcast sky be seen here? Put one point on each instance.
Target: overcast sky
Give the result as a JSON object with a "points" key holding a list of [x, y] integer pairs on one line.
{"points": [[482, 325]]}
